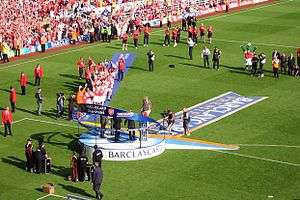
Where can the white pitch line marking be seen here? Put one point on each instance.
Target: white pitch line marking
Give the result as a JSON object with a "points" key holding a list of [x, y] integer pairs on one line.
{"points": [[54, 195], [258, 158], [43, 197], [268, 145], [54, 123], [20, 120]]}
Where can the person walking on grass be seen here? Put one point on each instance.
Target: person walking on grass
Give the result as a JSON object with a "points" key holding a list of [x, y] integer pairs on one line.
{"points": [[7, 121], [38, 74], [23, 83], [39, 100], [97, 180], [205, 55], [13, 98]]}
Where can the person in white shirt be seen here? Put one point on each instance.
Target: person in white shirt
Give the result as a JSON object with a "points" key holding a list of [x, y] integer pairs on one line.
{"points": [[205, 55], [191, 45]]}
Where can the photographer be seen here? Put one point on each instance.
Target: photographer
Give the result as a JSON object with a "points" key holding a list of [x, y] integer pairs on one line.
{"points": [[170, 120]]}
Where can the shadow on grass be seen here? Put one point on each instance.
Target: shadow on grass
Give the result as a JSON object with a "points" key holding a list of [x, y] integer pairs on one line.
{"points": [[193, 65], [138, 68], [5, 90], [73, 85], [76, 190], [114, 47], [71, 76], [27, 111], [175, 56], [72, 140], [17, 162], [61, 171]]}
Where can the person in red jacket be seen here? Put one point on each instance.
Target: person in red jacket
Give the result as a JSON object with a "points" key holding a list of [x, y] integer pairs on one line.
{"points": [[135, 36], [146, 35], [125, 41], [121, 68], [23, 82], [7, 121], [202, 33], [38, 74], [209, 34], [80, 67], [13, 98]]}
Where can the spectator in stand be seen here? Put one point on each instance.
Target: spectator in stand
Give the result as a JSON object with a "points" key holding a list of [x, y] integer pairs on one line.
{"points": [[7, 121], [13, 98], [23, 83]]}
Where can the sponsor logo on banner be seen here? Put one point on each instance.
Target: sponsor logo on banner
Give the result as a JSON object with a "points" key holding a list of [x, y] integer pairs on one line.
{"points": [[134, 154], [213, 110]]}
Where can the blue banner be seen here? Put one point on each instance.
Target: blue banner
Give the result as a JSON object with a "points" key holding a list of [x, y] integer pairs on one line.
{"points": [[212, 110]]}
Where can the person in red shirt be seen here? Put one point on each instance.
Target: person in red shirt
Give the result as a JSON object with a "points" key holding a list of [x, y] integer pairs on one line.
{"points": [[80, 67], [121, 68], [202, 32], [146, 35], [209, 34], [23, 82], [7, 121], [13, 98], [167, 37], [174, 37], [135, 36], [194, 35], [38, 74], [125, 41]]}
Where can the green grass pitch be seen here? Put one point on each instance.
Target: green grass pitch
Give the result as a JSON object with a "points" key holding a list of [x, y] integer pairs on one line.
{"points": [[252, 173]]}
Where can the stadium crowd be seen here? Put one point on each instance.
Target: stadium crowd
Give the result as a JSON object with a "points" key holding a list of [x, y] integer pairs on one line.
{"points": [[25, 23]]}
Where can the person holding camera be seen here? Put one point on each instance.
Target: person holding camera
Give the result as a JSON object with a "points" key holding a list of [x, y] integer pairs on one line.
{"points": [[170, 120], [151, 58]]}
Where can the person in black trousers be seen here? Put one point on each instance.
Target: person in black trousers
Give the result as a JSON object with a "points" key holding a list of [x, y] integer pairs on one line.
{"points": [[97, 180], [191, 45], [216, 58], [130, 126], [82, 162], [255, 61], [151, 58], [117, 126]]}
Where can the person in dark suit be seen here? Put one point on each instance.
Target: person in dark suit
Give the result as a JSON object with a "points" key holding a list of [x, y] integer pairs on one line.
{"points": [[97, 180], [151, 58], [117, 126], [97, 155], [40, 155], [81, 164], [130, 126], [29, 155]]}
